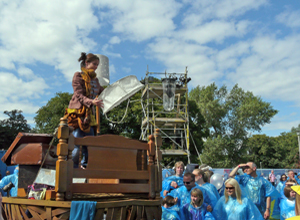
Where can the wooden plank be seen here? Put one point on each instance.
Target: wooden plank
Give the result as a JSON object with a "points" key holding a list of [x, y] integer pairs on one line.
{"points": [[36, 209], [17, 212], [13, 212], [133, 213], [60, 204], [59, 211], [111, 141], [111, 157], [48, 213], [139, 211], [109, 188], [149, 213], [24, 214], [123, 213], [110, 174], [104, 181], [109, 215], [151, 169], [64, 216], [34, 214], [99, 214], [9, 210]]}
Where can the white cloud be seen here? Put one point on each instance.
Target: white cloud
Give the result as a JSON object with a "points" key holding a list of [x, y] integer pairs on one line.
{"points": [[126, 69], [140, 20], [115, 40], [289, 18]]}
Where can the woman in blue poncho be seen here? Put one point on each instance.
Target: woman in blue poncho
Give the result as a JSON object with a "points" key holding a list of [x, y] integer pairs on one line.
{"points": [[202, 178], [233, 206], [281, 183], [287, 206], [196, 209], [173, 182]]}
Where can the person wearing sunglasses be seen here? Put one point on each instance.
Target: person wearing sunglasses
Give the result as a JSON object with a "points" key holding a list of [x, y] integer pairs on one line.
{"points": [[183, 193], [258, 189], [280, 186], [234, 206]]}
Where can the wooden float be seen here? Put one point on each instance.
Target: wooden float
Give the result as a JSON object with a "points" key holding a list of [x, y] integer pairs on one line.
{"points": [[123, 175]]}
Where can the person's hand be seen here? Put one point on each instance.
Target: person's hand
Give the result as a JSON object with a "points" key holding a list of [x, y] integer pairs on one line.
{"points": [[243, 165], [98, 103], [267, 214], [174, 184], [165, 192], [209, 208]]}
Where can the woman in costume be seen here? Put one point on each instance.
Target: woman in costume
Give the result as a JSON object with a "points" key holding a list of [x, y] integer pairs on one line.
{"points": [[234, 206], [201, 178], [80, 113], [174, 181], [287, 206]]}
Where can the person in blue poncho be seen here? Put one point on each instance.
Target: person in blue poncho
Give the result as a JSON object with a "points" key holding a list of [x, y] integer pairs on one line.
{"points": [[201, 178], [281, 185], [183, 193], [257, 189], [173, 182], [170, 211], [291, 176], [11, 178], [287, 206], [234, 206], [196, 209]]}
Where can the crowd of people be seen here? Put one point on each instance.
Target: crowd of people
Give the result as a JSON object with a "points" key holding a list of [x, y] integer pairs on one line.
{"points": [[248, 196]]}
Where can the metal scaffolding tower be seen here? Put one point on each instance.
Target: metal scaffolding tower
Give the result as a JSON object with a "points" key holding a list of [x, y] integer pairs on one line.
{"points": [[173, 124]]}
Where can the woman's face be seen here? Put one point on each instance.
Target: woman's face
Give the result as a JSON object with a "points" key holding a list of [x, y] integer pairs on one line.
{"points": [[230, 190], [292, 194], [92, 65], [283, 178], [195, 199], [179, 170]]}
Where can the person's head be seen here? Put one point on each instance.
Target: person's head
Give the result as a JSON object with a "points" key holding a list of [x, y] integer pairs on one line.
{"points": [[272, 171], [291, 174], [232, 188], [204, 167], [251, 168], [168, 201], [289, 193], [200, 174], [90, 61], [196, 197], [189, 181], [207, 175], [283, 177], [179, 168]]}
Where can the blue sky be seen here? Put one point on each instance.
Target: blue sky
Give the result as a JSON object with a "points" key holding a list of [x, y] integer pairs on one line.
{"points": [[255, 43]]}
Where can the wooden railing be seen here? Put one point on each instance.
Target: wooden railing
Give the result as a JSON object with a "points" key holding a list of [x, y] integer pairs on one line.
{"points": [[134, 163]]}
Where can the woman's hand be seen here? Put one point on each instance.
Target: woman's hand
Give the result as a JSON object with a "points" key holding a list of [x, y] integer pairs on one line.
{"points": [[98, 103]]}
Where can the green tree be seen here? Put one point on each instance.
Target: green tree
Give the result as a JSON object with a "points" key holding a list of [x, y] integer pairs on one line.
{"points": [[9, 128], [230, 117], [48, 117]]}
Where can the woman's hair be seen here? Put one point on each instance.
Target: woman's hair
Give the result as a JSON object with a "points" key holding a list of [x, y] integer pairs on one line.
{"points": [[207, 175], [169, 200], [201, 172], [238, 192], [204, 167], [197, 192], [283, 176], [287, 191], [87, 58], [178, 164], [297, 204]]}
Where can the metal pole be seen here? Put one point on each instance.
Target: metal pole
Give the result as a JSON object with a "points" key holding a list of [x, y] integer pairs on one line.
{"points": [[298, 134]]}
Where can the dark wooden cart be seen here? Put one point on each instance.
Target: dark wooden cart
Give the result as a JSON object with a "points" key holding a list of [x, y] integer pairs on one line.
{"points": [[133, 164]]}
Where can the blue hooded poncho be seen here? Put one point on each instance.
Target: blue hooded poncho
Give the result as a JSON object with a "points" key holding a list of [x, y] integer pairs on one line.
{"points": [[287, 209], [189, 212], [233, 210]]}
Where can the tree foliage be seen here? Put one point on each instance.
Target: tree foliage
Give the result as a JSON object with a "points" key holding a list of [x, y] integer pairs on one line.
{"points": [[230, 117], [9, 128]]}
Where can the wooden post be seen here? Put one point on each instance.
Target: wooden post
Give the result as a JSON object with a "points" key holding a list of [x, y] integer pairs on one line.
{"points": [[98, 119], [158, 158], [61, 163], [70, 167], [151, 166]]}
